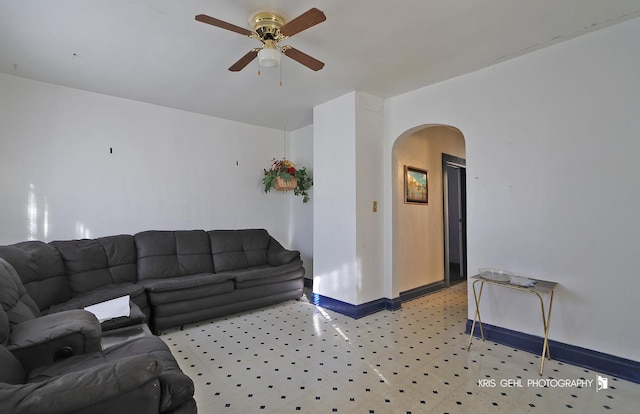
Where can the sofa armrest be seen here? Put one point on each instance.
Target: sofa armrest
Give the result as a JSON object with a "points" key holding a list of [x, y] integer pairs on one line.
{"points": [[177, 389], [43, 340], [86, 391], [278, 255]]}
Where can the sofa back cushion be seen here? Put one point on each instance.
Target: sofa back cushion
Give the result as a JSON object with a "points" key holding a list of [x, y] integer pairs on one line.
{"points": [[14, 300], [121, 257], [92, 264], [239, 249], [164, 254], [41, 270]]}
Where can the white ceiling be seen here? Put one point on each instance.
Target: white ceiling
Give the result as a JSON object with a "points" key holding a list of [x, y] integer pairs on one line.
{"points": [[154, 51]]}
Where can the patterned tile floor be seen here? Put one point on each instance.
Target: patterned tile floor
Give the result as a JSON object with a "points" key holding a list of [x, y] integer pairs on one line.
{"points": [[296, 357]]}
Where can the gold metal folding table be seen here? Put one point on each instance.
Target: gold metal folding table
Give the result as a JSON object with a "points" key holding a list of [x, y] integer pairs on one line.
{"points": [[540, 288]]}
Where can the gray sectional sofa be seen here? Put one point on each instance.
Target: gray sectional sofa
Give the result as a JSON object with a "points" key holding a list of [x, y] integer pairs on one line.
{"points": [[52, 352], [172, 277]]}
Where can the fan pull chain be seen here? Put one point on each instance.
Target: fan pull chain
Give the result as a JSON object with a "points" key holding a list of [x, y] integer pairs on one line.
{"points": [[281, 64], [284, 140]]}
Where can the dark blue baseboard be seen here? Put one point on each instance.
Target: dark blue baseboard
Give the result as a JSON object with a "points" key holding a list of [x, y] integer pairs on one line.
{"points": [[358, 311], [355, 311], [597, 361], [421, 291]]}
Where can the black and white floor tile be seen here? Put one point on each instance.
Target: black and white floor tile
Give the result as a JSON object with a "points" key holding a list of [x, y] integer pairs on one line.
{"points": [[296, 357]]}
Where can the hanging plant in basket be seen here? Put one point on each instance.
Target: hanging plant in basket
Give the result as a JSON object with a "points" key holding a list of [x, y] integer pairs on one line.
{"points": [[284, 176]]}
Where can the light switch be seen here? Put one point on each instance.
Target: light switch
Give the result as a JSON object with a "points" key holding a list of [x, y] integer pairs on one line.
{"points": [[375, 206]]}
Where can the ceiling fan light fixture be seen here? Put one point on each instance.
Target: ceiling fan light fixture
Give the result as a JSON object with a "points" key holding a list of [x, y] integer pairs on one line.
{"points": [[269, 57], [270, 29]]}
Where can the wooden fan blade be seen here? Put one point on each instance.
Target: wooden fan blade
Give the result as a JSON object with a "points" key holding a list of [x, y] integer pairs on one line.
{"points": [[302, 58], [244, 61], [306, 20], [222, 24]]}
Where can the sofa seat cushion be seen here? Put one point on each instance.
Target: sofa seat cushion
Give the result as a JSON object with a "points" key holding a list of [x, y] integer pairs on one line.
{"points": [[262, 275], [160, 291]]}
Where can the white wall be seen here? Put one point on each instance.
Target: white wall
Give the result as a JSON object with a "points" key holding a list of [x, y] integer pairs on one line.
{"points": [[336, 270], [348, 242], [169, 169], [552, 146], [369, 188], [301, 224]]}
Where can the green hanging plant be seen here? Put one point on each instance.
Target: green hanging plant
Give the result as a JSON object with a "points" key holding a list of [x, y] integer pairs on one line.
{"points": [[284, 176]]}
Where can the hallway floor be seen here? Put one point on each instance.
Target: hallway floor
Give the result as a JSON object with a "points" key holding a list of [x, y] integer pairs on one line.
{"points": [[296, 357]]}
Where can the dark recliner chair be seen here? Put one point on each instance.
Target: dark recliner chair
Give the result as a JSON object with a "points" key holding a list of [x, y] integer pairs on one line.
{"points": [[54, 363], [37, 340], [139, 377]]}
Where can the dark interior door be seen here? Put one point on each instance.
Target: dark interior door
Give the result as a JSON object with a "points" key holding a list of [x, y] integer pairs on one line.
{"points": [[455, 220]]}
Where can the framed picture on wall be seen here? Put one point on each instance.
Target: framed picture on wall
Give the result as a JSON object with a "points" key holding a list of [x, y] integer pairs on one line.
{"points": [[416, 185]]}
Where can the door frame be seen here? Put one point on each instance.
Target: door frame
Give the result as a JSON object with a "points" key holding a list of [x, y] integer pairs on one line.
{"points": [[450, 160]]}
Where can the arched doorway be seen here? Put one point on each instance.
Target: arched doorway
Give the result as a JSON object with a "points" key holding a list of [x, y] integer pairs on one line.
{"points": [[418, 229]]}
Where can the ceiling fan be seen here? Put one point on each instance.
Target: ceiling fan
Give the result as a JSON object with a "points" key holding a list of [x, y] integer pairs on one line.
{"points": [[271, 29]]}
